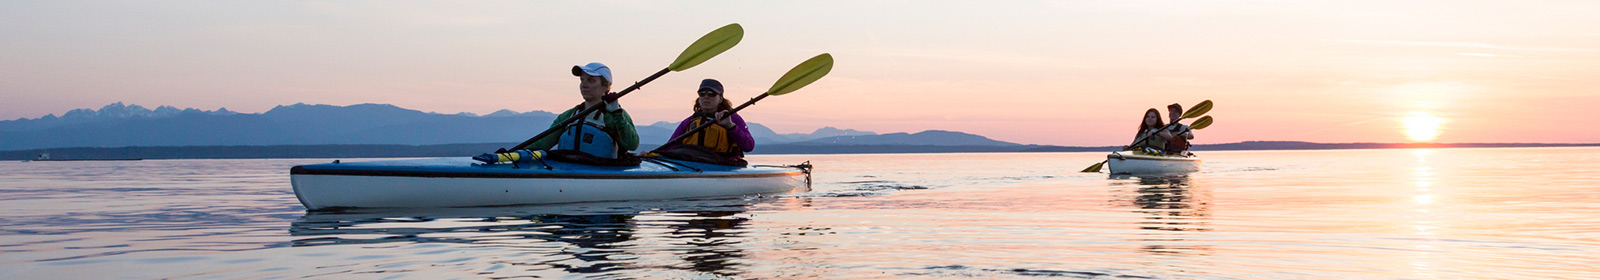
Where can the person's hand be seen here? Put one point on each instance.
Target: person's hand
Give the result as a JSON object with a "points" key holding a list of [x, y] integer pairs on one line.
{"points": [[725, 122], [611, 102]]}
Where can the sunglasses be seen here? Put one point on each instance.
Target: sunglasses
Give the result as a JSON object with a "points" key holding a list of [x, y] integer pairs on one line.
{"points": [[708, 93]]}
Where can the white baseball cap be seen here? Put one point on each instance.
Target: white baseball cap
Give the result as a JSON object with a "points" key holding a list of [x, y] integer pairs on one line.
{"points": [[593, 69]]}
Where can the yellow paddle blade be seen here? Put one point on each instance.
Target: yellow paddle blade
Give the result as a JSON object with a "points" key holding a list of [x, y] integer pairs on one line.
{"points": [[1198, 109], [1201, 123], [1094, 168], [709, 46], [803, 74]]}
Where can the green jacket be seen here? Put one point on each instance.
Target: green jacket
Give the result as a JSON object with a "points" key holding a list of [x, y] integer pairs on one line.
{"points": [[618, 124]]}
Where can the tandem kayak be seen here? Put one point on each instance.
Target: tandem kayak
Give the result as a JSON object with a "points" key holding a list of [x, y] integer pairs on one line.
{"points": [[1130, 162], [464, 182]]}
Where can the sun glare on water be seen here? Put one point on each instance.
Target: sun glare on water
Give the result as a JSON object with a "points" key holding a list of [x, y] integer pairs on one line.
{"points": [[1422, 127]]}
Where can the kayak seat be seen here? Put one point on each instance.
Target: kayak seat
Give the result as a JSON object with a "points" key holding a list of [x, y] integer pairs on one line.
{"points": [[571, 156]]}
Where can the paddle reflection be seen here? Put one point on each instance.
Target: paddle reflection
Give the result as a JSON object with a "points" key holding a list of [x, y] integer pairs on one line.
{"points": [[703, 239], [1168, 204], [712, 238]]}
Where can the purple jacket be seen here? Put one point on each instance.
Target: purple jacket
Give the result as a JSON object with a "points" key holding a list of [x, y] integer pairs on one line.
{"points": [[740, 134]]}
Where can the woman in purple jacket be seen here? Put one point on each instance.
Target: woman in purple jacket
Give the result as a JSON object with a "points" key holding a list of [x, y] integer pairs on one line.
{"points": [[729, 138]]}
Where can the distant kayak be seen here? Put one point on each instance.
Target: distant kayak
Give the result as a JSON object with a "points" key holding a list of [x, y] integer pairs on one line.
{"points": [[463, 182], [1130, 162]]}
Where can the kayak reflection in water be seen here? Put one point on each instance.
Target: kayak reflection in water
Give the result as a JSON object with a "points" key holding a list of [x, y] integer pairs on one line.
{"points": [[724, 142], [598, 236], [1172, 207], [699, 238]]}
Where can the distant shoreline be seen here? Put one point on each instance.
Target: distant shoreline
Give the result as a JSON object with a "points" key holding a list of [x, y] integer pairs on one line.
{"points": [[452, 150]]}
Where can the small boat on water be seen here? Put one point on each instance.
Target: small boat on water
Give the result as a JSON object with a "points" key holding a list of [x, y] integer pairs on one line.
{"points": [[1132, 162], [464, 182]]}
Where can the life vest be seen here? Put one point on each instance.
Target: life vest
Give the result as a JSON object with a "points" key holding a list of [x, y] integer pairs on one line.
{"points": [[715, 137], [589, 136], [1152, 141], [1176, 144]]}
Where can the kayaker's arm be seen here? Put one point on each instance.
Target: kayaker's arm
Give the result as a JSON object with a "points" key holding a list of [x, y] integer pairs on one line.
{"points": [[740, 134], [1164, 134], [550, 140], [1184, 131], [627, 136]]}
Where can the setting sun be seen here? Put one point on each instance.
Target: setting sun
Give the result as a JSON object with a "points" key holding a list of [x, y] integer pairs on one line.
{"points": [[1421, 127]]}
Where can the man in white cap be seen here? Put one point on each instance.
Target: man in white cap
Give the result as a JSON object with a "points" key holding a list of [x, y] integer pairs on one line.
{"points": [[606, 133]]}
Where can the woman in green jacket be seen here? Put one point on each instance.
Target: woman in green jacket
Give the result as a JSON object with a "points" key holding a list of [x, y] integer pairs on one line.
{"points": [[607, 133]]}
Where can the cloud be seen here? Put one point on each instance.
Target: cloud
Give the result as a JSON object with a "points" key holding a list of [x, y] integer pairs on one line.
{"points": [[1474, 45], [1559, 78], [415, 14], [1487, 55], [961, 55]]}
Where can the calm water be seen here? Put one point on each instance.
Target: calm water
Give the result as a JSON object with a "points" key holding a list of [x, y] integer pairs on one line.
{"points": [[1346, 214]]}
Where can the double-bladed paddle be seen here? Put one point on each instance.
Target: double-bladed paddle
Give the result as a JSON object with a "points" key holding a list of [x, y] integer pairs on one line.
{"points": [[1196, 111], [708, 46], [796, 78]]}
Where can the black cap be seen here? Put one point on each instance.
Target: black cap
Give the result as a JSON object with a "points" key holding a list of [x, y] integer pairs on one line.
{"points": [[711, 84]]}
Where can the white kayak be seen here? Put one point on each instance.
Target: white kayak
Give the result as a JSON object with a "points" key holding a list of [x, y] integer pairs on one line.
{"points": [[1130, 162], [463, 182]]}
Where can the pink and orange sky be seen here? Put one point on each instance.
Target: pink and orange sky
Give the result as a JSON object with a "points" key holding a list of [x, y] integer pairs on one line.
{"points": [[1034, 72]]}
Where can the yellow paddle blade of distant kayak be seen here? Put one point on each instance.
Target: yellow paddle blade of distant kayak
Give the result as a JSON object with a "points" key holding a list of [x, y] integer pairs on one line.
{"points": [[1201, 123], [709, 46], [803, 74], [1094, 168], [1198, 109]]}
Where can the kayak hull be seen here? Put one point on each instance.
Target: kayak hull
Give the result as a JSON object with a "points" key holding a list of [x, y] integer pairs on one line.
{"points": [[462, 182], [1128, 162]]}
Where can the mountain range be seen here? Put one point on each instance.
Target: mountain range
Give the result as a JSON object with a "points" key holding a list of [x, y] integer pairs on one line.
{"points": [[119, 131], [119, 125]]}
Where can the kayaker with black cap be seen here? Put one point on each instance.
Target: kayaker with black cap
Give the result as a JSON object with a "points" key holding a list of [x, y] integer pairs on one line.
{"points": [[608, 133], [727, 138]]}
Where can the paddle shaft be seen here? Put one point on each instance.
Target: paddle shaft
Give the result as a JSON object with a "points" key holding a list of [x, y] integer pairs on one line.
{"points": [[586, 111], [697, 129], [1163, 128]]}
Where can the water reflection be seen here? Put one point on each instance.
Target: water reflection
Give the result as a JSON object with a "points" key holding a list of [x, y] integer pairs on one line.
{"points": [[1422, 260], [1167, 204], [712, 238], [699, 240]]}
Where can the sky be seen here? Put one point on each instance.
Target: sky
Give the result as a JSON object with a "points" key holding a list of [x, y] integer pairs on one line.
{"points": [[1078, 73]]}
